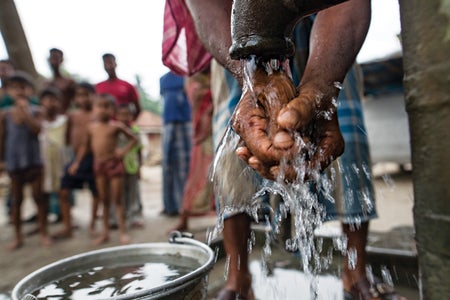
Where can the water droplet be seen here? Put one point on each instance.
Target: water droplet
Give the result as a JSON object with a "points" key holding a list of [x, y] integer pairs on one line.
{"points": [[338, 85], [386, 275], [390, 183], [352, 257]]}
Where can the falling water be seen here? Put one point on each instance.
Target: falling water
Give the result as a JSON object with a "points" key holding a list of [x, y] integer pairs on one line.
{"points": [[239, 189]]}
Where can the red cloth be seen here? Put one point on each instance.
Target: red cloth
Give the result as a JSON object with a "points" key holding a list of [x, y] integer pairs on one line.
{"points": [[182, 50], [198, 197], [109, 168], [123, 91]]}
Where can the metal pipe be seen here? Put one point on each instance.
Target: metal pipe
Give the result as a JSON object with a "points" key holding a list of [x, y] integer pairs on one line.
{"points": [[263, 28]]}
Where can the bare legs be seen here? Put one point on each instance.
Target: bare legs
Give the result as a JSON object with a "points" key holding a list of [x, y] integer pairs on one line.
{"points": [[17, 199], [182, 223], [357, 240], [110, 189], [236, 234], [119, 203], [42, 205], [94, 213], [64, 202], [17, 186]]}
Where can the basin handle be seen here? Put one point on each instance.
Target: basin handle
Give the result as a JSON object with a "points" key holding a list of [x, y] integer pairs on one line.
{"points": [[174, 235]]}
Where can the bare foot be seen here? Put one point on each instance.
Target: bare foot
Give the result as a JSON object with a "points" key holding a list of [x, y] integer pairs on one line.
{"points": [[46, 241], [16, 244], [182, 226], [137, 224], [33, 231], [93, 233], [124, 239], [63, 234], [92, 228], [101, 240], [227, 294], [240, 289]]}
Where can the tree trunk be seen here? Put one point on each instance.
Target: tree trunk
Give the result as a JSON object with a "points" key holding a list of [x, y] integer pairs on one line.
{"points": [[426, 49], [15, 39]]}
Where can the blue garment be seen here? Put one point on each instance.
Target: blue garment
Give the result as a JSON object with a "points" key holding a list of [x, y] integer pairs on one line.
{"points": [[176, 105], [21, 148], [177, 139], [84, 174]]}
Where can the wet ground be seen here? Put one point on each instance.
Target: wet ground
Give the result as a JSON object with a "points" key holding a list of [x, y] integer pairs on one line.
{"points": [[391, 243]]}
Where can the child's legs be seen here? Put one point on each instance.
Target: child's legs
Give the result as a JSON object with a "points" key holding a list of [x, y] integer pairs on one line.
{"points": [[117, 198], [134, 196], [103, 198], [17, 186], [94, 210], [38, 197], [64, 203], [127, 194]]}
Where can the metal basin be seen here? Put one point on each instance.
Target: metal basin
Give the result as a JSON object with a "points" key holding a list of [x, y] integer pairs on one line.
{"points": [[193, 285]]}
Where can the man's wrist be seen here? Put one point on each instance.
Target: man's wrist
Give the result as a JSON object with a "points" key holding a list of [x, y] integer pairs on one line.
{"points": [[322, 93]]}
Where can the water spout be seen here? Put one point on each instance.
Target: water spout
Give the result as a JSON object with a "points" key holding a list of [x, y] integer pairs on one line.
{"points": [[263, 27]]}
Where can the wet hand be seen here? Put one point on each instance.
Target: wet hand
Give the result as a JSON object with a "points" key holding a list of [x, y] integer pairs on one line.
{"points": [[255, 118], [314, 111], [307, 131]]}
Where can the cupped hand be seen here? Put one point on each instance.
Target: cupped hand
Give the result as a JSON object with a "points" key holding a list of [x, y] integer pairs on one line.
{"points": [[276, 136], [315, 108], [255, 117]]}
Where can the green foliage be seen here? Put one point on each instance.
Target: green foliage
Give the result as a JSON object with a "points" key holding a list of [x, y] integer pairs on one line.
{"points": [[147, 103]]}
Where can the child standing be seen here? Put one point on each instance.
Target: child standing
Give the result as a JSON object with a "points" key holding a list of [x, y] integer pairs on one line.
{"points": [[19, 147], [78, 122], [102, 138], [132, 163], [53, 142]]}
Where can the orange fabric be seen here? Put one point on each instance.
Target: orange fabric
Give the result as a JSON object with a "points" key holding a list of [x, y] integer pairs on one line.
{"points": [[198, 192]]}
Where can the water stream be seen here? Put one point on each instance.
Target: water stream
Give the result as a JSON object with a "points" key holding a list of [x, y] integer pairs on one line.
{"points": [[240, 189]]}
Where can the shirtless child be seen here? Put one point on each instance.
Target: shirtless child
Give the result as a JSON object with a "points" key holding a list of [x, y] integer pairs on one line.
{"points": [[79, 120], [102, 139]]}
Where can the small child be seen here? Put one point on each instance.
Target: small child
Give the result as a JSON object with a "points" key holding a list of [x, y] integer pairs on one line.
{"points": [[132, 163], [78, 122], [19, 147], [53, 143], [102, 138]]}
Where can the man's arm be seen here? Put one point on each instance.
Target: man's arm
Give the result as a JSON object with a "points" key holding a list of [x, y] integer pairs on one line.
{"points": [[336, 38], [212, 20]]}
